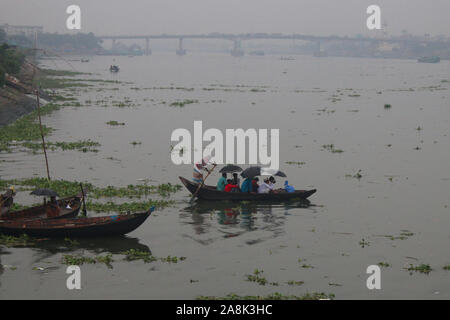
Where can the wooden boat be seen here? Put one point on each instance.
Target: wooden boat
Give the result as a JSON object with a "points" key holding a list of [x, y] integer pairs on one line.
{"points": [[75, 227], [211, 193], [114, 68], [42, 212]]}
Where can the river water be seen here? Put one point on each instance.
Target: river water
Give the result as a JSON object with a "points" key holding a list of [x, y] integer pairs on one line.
{"points": [[403, 191]]}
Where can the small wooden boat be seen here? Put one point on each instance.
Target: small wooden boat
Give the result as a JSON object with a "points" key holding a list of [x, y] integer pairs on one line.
{"points": [[75, 227], [211, 193], [68, 208]]}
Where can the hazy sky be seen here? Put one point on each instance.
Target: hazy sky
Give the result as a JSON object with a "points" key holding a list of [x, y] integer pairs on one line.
{"points": [[320, 17]]}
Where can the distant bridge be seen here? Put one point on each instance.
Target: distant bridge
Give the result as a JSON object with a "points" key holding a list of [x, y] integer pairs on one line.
{"points": [[237, 38]]}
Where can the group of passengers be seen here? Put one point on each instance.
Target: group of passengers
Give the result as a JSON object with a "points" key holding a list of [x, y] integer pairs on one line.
{"points": [[249, 185]]}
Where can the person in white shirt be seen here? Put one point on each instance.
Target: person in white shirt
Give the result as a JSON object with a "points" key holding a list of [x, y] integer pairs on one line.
{"points": [[265, 187]]}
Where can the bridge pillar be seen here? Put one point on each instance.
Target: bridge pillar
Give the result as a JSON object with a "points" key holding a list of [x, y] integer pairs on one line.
{"points": [[148, 51], [180, 51], [237, 49]]}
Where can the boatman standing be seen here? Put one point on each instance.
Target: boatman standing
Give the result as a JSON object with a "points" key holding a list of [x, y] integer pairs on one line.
{"points": [[199, 167]]}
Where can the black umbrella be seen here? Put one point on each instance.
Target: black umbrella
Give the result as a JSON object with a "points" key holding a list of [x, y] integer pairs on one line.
{"points": [[44, 192], [258, 171], [230, 168]]}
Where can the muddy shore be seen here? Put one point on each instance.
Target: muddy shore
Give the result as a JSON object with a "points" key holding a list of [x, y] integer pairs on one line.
{"points": [[15, 103]]}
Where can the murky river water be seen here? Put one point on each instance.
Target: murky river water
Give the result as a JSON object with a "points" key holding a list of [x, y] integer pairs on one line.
{"points": [[404, 188]]}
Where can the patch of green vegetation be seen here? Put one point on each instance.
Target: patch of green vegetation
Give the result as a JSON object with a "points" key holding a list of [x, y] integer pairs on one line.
{"points": [[273, 296], [115, 123], [183, 103], [11, 241], [384, 264], [357, 175], [296, 163], [387, 106], [447, 268], [423, 268], [135, 143], [82, 145], [25, 128], [363, 243], [334, 284], [79, 260], [126, 207], [71, 243], [61, 73], [171, 259], [133, 254], [257, 277], [331, 148], [68, 188], [147, 257], [295, 283]]}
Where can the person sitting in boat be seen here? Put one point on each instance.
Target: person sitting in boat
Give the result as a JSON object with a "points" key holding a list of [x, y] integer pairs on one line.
{"points": [[231, 187], [255, 185], [265, 187], [288, 188], [222, 182], [246, 185], [53, 209], [236, 179]]}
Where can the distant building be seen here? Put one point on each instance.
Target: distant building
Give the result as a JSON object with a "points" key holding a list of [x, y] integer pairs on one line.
{"points": [[28, 31]]}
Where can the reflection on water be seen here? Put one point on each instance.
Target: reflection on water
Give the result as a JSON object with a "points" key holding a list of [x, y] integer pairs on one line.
{"points": [[44, 249], [233, 219]]}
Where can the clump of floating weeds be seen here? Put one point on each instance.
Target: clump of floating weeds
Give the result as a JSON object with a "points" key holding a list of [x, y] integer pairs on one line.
{"points": [[331, 148], [295, 283], [423, 268], [387, 106], [183, 103], [82, 145], [79, 260], [273, 296], [147, 257], [135, 143], [363, 243], [71, 243], [357, 175], [172, 259], [296, 163], [115, 123], [133, 254], [127, 207], [384, 264], [257, 277], [68, 188], [447, 268], [11, 241]]}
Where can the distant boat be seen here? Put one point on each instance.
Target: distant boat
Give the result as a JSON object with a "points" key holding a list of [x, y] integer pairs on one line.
{"points": [[114, 68], [429, 60]]}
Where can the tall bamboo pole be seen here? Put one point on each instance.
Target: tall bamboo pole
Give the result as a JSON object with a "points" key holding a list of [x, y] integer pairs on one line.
{"points": [[42, 133]]}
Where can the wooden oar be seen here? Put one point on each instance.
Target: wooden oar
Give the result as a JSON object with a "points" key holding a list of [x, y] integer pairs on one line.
{"points": [[84, 203], [203, 183]]}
